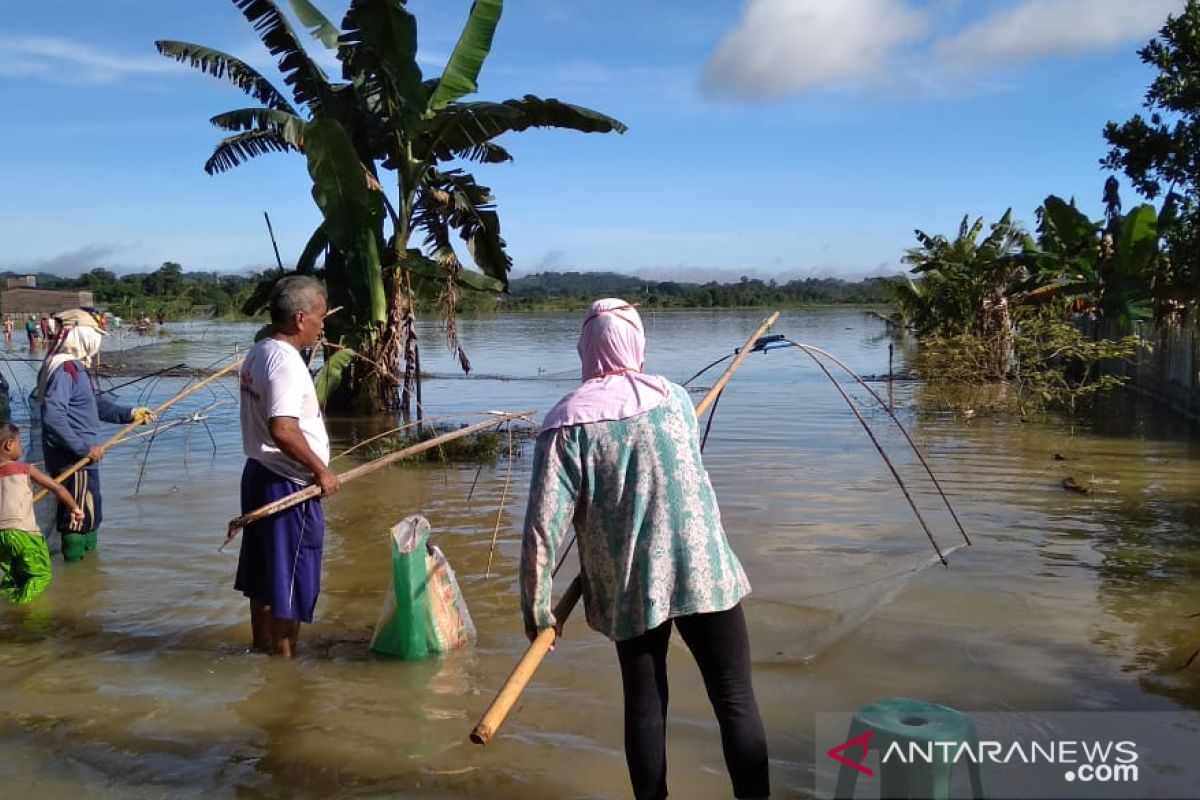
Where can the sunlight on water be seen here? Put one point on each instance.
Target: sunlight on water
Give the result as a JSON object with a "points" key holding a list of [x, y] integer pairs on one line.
{"points": [[129, 678]]}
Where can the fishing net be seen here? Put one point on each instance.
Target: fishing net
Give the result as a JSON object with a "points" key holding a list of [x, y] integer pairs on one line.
{"points": [[423, 613], [834, 519]]}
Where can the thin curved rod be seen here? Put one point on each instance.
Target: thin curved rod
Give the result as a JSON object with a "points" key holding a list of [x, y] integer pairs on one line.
{"points": [[882, 453], [916, 450]]}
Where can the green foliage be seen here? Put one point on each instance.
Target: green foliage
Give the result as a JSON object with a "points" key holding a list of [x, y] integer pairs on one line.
{"points": [[1105, 269], [483, 447], [316, 23], [474, 44], [964, 304], [353, 214], [1055, 366], [330, 376], [1160, 153]]}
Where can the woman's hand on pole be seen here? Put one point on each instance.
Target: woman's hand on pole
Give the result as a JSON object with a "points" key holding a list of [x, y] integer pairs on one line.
{"points": [[95, 454], [532, 635]]}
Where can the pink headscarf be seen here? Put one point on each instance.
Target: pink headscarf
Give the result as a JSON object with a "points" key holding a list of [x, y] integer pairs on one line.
{"points": [[612, 352]]}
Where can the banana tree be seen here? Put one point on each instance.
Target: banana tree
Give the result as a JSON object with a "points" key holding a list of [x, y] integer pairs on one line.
{"points": [[966, 283], [1105, 269], [383, 117]]}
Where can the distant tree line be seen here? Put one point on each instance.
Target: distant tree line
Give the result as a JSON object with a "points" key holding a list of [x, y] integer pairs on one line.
{"points": [[169, 288], [181, 293], [575, 290]]}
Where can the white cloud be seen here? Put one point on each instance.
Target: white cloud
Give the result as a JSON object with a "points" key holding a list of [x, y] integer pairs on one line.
{"points": [[1032, 29], [65, 61], [782, 47]]}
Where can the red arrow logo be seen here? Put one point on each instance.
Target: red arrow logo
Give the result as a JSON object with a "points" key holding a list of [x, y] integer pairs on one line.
{"points": [[862, 739]]}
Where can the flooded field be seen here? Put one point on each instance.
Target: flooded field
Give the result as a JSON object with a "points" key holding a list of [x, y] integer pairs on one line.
{"points": [[130, 676]]}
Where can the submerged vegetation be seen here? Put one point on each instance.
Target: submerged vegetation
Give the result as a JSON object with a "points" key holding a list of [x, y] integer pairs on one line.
{"points": [[1053, 364], [1014, 322], [484, 447]]}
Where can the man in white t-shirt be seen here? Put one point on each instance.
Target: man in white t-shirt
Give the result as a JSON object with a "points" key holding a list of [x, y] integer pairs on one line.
{"points": [[287, 449]]}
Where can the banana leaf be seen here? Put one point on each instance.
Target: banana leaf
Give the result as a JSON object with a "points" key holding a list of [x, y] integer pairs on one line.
{"points": [[352, 211], [1137, 241], [329, 377], [1071, 225], [317, 23], [474, 43]]}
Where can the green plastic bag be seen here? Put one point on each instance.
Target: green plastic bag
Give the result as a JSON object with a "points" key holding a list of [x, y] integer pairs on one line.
{"points": [[424, 613]]}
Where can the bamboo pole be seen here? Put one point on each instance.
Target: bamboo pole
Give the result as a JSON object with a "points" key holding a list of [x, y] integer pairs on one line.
{"points": [[711, 397], [314, 490], [525, 668], [510, 692], [83, 462]]}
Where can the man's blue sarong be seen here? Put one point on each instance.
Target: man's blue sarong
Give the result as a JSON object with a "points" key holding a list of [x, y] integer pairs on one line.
{"points": [[280, 561]]}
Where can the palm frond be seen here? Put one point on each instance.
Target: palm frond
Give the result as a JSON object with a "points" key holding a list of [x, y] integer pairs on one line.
{"points": [[289, 126], [379, 46], [351, 210], [462, 126], [453, 200], [224, 66], [486, 153], [240, 148], [309, 84]]}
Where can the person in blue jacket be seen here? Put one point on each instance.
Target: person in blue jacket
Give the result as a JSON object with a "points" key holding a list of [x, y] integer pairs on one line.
{"points": [[71, 410]]}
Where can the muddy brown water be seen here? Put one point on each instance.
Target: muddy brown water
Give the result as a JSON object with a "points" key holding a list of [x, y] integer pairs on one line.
{"points": [[130, 676]]}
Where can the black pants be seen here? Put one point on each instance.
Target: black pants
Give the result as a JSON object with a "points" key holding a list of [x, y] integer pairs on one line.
{"points": [[721, 647]]}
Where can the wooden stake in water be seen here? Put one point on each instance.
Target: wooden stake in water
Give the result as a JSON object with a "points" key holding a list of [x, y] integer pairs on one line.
{"points": [[510, 692], [83, 462]]}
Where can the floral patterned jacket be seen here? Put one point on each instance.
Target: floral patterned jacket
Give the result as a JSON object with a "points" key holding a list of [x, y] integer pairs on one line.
{"points": [[651, 544]]}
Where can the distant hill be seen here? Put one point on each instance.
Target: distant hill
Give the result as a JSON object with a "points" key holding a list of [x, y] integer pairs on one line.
{"points": [[569, 284]]}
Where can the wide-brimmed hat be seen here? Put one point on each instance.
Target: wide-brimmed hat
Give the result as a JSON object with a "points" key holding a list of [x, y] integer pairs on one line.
{"points": [[81, 317]]}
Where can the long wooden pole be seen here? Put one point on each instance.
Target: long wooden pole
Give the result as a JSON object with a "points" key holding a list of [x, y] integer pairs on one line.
{"points": [[314, 490], [509, 693], [83, 462], [271, 233]]}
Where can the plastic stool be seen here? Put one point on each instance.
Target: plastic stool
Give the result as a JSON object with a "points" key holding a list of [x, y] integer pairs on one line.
{"points": [[905, 721]]}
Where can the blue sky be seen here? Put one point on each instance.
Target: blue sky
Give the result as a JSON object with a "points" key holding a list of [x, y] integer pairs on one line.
{"points": [[766, 137]]}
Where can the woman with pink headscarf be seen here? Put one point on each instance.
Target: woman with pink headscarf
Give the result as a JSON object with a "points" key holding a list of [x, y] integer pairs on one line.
{"points": [[619, 460]]}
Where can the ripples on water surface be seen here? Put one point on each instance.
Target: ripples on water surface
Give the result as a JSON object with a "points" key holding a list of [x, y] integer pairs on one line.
{"points": [[129, 677]]}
